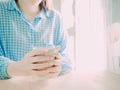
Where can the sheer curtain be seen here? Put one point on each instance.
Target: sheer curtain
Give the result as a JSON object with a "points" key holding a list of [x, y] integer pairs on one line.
{"points": [[90, 38]]}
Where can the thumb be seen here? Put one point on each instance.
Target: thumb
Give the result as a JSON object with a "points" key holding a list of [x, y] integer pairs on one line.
{"points": [[57, 48]]}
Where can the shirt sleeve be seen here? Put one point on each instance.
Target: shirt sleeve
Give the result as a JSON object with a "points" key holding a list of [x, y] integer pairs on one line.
{"points": [[60, 39], [3, 65]]}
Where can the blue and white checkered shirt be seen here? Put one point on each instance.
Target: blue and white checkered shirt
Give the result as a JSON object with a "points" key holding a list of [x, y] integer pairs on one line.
{"points": [[18, 35]]}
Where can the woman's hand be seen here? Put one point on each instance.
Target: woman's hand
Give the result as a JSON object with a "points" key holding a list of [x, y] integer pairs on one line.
{"points": [[40, 63], [53, 70]]}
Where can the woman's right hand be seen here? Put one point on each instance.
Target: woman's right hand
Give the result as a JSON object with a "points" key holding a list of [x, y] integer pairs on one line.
{"points": [[29, 64]]}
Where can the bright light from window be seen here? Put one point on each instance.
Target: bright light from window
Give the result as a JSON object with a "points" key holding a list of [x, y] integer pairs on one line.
{"points": [[90, 35]]}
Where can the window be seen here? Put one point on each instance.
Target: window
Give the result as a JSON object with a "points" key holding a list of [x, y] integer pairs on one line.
{"points": [[85, 22], [90, 35]]}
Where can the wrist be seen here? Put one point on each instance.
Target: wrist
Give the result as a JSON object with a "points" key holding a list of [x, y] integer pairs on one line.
{"points": [[11, 69]]}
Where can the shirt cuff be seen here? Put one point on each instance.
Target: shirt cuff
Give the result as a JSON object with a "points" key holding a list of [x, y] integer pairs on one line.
{"points": [[3, 67], [66, 65], [65, 69]]}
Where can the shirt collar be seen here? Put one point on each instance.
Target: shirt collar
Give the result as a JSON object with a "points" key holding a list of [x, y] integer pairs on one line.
{"points": [[43, 13], [12, 5]]}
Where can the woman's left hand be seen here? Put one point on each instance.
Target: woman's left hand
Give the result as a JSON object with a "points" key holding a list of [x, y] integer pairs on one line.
{"points": [[52, 71]]}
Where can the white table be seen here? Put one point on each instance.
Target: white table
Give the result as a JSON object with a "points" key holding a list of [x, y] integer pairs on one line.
{"points": [[99, 80]]}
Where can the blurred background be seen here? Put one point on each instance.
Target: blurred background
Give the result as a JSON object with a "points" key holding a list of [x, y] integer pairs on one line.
{"points": [[93, 33]]}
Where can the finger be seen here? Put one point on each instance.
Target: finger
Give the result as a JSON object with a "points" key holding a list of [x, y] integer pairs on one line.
{"points": [[57, 48], [41, 59], [43, 73], [54, 69], [36, 52], [56, 56], [45, 65], [54, 73], [47, 73]]}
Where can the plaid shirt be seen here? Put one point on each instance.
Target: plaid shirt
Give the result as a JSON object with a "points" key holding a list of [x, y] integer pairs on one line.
{"points": [[18, 35]]}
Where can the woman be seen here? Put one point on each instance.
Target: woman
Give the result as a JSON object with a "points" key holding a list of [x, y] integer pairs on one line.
{"points": [[25, 24]]}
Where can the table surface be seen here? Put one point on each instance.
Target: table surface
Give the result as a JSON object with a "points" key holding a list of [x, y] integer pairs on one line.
{"points": [[97, 80]]}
